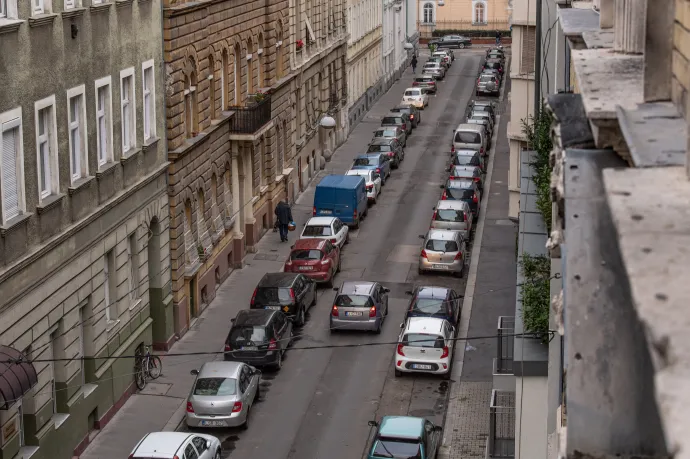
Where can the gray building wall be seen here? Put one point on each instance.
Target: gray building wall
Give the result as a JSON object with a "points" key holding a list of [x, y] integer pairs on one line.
{"points": [[54, 255], [553, 59]]}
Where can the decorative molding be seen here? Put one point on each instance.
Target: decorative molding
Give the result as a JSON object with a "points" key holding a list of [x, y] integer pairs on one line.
{"points": [[101, 7], [9, 26], [15, 223], [50, 202], [249, 56], [108, 168], [123, 3], [150, 144], [79, 185], [42, 20], [73, 13]]}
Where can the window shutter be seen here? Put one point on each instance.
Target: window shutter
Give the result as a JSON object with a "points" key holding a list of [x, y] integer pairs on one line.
{"points": [[528, 48], [10, 186]]}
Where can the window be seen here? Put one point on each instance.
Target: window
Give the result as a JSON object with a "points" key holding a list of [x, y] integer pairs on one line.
{"points": [[3, 9], [46, 147], [50, 357], [128, 112], [190, 452], [260, 62], [479, 13], [104, 121], [109, 284], [78, 157], [72, 4], [38, 6], [149, 97], [212, 85], [250, 68], [237, 69], [190, 105], [11, 165], [428, 13], [133, 260], [528, 49]]}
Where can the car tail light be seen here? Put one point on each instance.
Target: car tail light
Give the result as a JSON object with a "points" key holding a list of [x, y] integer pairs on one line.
{"points": [[272, 345], [475, 199], [434, 216], [354, 214], [415, 83], [334, 311], [190, 408], [237, 407], [451, 177], [400, 349], [228, 347], [445, 352], [432, 83], [313, 212], [378, 170], [476, 179], [292, 294], [251, 303], [370, 187], [372, 311], [411, 117], [458, 256], [333, 241], [423, 254], [452, 148], [444, 196]]}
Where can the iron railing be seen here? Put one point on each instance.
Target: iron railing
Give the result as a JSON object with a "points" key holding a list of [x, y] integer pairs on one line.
{"points": [[251, 118], [504, 345], [502, 424]]}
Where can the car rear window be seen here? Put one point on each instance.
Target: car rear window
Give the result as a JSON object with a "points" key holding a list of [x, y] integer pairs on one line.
{"points": [[384, 133], [493, 65], [430, 306], [215, 387], [429, 65], [467, 137], [366, 162], [397, 449], [247, 335], [466, 160], [424, 80], [317, 230], [449, 215], [273, 295], [306, 255], [392, 120], [354, 301], [423, 340], [378, 148], [460, 193], [441, 246], [413, 92]]}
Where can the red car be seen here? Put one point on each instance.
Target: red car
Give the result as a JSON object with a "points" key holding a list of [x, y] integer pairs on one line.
{"points": [[317, 259]]}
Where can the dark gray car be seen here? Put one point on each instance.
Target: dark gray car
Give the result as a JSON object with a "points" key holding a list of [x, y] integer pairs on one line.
{"points": [[391, 132], [412, 112], [359, 305], [390, 147], [400, 120], [452, 41]]}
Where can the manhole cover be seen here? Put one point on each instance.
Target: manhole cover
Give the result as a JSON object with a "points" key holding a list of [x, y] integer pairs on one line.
{"points": [[155, 389], [266, 256]]}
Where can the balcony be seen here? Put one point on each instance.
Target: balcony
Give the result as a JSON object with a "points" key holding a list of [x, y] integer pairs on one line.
{"points": [[501, 424], [503, 377], [251, 118]]}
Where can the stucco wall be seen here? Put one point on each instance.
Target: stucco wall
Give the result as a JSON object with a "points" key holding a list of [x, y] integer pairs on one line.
{"points": [[530, 417]]}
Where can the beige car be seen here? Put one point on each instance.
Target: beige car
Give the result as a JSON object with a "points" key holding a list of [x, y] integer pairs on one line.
{"points": [[444, 251], [454, 216]]}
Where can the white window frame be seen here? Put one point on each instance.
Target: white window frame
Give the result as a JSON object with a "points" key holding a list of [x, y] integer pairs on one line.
{"points": [[82, 166], [129, 103], [53, 175], [3, 9], [71, 4], [433, 13], [107, 113], [475, 19], [38, 7], [148, 92], [132, 260], [10, 120], [106, 287]]}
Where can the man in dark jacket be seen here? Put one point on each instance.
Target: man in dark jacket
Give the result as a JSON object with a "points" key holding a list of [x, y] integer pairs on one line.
{"points": [[414, 64], [498, 38], [284, 216]]}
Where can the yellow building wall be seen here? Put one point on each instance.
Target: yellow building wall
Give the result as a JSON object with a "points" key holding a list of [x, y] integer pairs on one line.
{"points": [[458, 15]]}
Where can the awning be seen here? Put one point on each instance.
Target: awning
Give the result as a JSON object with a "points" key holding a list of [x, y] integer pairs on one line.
{"points": [[16, 379]]}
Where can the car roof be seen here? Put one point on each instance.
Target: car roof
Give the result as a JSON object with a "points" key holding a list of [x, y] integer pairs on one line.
{"points": [[277, 280], [220, 369], [382, 141], [483, 103], [455, 205], [401, 427], [424, 325], [471, 170], [161, 444], [469, 127], [369, 155], [311, 243], [251, 317], [401, 107], [459, 183], [320, 221], [442, 235], [432, 291], [424, 77], [339, 181], [415, 88], [356, 288], [392, 114], [360, 172], [494, 61], [482, 113]]}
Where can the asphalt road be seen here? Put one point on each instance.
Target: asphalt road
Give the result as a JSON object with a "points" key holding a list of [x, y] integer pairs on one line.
{"points": [[318, 405]]}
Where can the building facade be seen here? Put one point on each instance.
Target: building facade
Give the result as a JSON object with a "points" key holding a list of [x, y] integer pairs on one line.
{"points": [[84, 257], [247, 86], [395, 56], [462, 16], [364, 58]]}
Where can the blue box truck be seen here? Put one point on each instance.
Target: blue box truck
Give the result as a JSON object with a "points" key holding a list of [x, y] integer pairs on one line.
{"points": [[342, 196]]}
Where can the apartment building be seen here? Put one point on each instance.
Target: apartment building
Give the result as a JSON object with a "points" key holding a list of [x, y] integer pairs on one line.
{"points": [[395, 36], [84, 257], [248, 85], [462, 16], [364, 58]]}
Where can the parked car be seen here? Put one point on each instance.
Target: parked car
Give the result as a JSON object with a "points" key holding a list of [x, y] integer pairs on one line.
{"points": [[493, 72], [318, 259], [454, 216], [391, 132], [425, 345], [485, 121], [410, 110], [443, 250], [342, 196], [494, 54], [449, 52], [463, 190], [291, 293], [487, 84], [222, 395], [467, 158], [389, 147], [434, 69], [405, 437], [470, 137], [430, 301], [377, 162], [482, 114], [482, 106], [496, 51], [373, 182], [329, 228], [427, 82], [468, 172], [170, 445], [444, 56], [496, 64], [259, 337], [440, 60], [400, 120], [359, 305], [452, 41], [415, 97]]}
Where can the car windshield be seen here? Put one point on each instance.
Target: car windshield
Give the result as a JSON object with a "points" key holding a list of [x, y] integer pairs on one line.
{"points": [[493, 65], [467, 137], [247, 335], [449, 215], [486, 78], [306, 255], [215, 387], [466, 160], [273, 295], [353, 301], [438, 245], [430, 306], [317, 230], [366, 161], [397, 449], [460, 193], [423, 340], [385, 133], [377, 148], [391, 120], [413, 92]]}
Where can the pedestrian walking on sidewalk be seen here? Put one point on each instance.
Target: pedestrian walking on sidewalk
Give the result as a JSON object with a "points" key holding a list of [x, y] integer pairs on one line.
{"points": [[284, 216], [414, 63], [498, 38]]}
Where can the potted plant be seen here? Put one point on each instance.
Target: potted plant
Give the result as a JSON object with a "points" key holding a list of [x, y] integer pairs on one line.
{"points": [[201, 251], [300, 45], [260, 95]]}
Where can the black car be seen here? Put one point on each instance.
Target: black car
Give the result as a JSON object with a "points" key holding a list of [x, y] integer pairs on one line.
{"points": [[259, 337], [412, 112], [468, 172], [452, 41], [390, 147], [463, 190], [291, 293], [462, 159], [441, 302], [482, 106], [495, 64]]}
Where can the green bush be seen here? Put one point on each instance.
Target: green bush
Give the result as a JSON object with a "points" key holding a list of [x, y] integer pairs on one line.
{"points": [[538, 132], [534, 293], [470, 33]]}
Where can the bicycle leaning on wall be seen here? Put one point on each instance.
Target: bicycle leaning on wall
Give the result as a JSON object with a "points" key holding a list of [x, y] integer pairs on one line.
{"points": [[146, 367]]}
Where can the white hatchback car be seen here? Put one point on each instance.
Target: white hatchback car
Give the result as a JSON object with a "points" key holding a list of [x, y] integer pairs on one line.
{"points": [[331, 228], [415, 97], [373, 182], [425, 345], [176, 445]]}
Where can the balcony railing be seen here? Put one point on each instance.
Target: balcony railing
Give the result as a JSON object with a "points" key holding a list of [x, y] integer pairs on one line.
{"points": [[249, 119], [504, 345], [502, 424]]}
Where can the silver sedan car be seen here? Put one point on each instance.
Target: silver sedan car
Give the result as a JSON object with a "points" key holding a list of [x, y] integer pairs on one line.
{"points": [[359, 305], [443, 250], [222, 395]]}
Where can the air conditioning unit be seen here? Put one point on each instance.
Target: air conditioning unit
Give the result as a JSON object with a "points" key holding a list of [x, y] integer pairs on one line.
{"points": [[441, 3]]}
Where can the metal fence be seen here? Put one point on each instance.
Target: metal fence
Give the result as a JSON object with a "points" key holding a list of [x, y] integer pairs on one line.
{"points": [[251, 118], [502, 424], [504, 345]]}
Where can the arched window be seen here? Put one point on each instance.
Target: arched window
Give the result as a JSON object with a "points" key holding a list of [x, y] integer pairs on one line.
{"points": [[201, 199], [212, 85], [224, 76], [480, 13], [190, 247], [260, 62], [227, 194], [428, 13], [237, 74], [279, 51], [190, 105], [250, 67]]}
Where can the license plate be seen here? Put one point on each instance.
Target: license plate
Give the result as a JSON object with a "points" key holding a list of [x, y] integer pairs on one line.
{"points": [[354, 313], [441, 266], [250, 348], [327, 212], [418, 366], [306, 268], [213, 423], [273, 308]]}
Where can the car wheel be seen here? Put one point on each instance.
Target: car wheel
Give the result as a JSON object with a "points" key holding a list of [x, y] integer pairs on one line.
{"points": [[356, 224], [461, 45], [398, 373], [279, 362], [347, 241], [300, 318], [378, 330], [245, 426], [329, 284], [337, 269], [217, 456], [447, 375]]}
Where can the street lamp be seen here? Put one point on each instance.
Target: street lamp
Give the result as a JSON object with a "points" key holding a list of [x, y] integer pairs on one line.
{"points": [[328, 123], [409, 46]]}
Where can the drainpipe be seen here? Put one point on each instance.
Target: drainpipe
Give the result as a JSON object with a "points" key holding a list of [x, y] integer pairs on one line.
{"points": [[537, 62]]}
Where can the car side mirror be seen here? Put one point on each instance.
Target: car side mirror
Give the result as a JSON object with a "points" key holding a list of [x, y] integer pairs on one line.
{"points": [[443, 186], [386, 289], [335, 289], [402, 325], [421, 236], [194, 372], [233, 319], [408, 292], [373, 424]]}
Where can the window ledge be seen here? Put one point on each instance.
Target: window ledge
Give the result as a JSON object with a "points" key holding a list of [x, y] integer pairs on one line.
{"points": [[27, 451], [130, 156], [112, 325], [59, 419], [107, 168], [42, 20], [101, 7], [89, 389], [263, 190], [73, 13], [79, 184], [288, 171], [279, 178], [150, 144], [123, 3], [135, 304], [14, 223], [9, 25], [50, 202]]}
